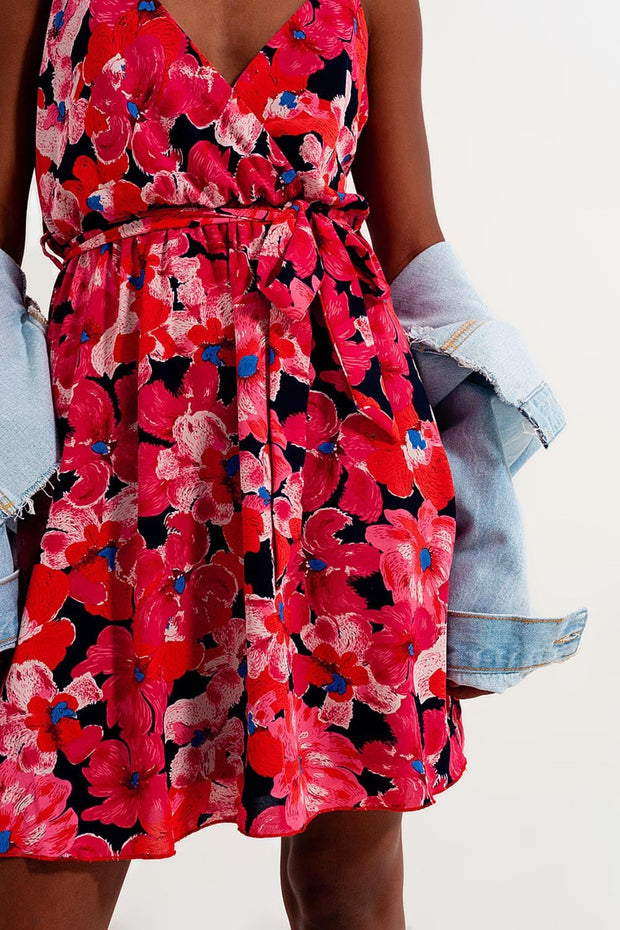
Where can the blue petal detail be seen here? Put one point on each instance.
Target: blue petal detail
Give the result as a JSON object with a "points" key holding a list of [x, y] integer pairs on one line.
{"points": [[327, 447], [243, 669], [84, 337], [288, 175], [281, 610], [138, 675], [100, 447], [179, 584], [425, 558], [198, 738], [94, 202], [272, 356], [410, 649], [251, 724], [59, 20], [264, 494], [288, 99], [109, 553], [316, 565], [61, 710], [135, 778], [137, 282], [133, 109], [146, 5], [418, 766], [299, 33], [248, 366], [232, 466], [355, 24], [212, 354], [415, 438], [62, 110], [341, 195], [4, 840], [337, 684]]}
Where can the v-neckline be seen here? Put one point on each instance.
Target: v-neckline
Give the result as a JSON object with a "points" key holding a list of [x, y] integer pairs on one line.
{"points": [[232, 87]]}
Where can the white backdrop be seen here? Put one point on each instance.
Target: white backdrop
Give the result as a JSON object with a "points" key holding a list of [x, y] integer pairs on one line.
{"points": [[521, 106]]}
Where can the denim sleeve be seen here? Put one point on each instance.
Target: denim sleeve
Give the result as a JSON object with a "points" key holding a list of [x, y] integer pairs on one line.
{"points": [[9, 621], [494, 639], [493, 652]]}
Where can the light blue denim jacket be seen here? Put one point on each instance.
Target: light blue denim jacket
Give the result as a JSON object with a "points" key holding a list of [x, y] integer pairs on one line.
{"points": [[493, 410], [29, 453]]}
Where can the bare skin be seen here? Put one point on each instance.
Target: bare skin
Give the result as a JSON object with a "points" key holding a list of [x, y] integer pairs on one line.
{"points": [[346, 869]]}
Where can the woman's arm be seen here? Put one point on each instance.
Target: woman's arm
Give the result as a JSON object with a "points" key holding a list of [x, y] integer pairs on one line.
{"points": [[392, 167], [22, 35]]}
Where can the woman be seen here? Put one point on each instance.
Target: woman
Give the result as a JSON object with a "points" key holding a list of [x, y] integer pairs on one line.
{"points": [[218, 626]]}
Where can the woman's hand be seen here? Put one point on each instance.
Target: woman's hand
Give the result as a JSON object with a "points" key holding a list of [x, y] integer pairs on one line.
{"points": [[464, 691]]}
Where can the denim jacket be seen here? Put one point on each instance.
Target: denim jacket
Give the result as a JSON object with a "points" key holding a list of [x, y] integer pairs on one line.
{"points": [[493, 410], [29, 453]]}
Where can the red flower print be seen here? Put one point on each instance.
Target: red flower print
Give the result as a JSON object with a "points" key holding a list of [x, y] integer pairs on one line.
{"points": [[37, 721]]}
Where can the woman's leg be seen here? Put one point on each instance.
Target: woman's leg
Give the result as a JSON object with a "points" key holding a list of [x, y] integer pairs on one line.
{"points": [[39, 895], [345, 870]]}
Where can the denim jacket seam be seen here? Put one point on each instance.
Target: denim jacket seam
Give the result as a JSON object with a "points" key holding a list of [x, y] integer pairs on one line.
{"points": [[506, 669], [490, 616], [463, 332], [10, 578]]}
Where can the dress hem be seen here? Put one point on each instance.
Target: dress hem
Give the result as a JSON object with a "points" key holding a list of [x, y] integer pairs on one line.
{"points": [[429, 802]]}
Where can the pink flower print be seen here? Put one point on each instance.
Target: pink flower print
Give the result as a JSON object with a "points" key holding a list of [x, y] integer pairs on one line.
{"points": [[268, 639], [34, 817], [319, 768], [97, 445], [211, 745], [406, 633], [189, 90], [404, 762], [304, 41], [131, 780], [208, 168], [126, 93], [416, 555], [134, 691], [330, 566], [338, 663], [37, 720]]}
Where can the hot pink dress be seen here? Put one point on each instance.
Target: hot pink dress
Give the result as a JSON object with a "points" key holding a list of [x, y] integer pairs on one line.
{"points": [[239, 609]]}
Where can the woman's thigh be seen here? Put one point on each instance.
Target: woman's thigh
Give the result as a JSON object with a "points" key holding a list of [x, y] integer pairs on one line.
{"points": [[39, 895]]}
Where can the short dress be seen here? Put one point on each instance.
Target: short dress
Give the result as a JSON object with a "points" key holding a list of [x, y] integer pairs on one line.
{"points": [[238, 610]]}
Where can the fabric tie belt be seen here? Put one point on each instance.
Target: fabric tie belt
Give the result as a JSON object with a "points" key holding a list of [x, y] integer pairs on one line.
{"points": [[299, 230]]}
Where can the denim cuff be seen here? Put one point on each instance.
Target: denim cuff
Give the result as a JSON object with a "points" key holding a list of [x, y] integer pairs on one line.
{"points": [[9, 575], [495, 651]]}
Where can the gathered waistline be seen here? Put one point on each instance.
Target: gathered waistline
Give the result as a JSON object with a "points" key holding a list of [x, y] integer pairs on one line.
{"points": [[190, 216]]}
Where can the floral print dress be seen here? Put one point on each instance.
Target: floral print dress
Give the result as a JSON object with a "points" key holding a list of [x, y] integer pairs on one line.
{"points": [[238, 612]]}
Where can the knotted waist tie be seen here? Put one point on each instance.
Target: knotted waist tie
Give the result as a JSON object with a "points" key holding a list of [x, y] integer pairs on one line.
{"points": [[293, 239]]}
